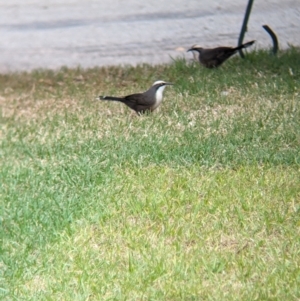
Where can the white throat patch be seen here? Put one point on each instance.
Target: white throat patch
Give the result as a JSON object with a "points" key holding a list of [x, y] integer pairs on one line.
{"points": [[159, 96]]}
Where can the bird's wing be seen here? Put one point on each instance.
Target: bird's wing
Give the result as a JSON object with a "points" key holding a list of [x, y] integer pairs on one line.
{"points": [[225, 52], [138, 102], [210, 58], [216, 56]]}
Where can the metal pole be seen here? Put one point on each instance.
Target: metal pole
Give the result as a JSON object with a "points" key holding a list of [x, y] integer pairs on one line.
{"points": [[244, 26]]}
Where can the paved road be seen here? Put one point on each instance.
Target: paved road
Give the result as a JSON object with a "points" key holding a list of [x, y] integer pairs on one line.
{"points": [[49, 34]]}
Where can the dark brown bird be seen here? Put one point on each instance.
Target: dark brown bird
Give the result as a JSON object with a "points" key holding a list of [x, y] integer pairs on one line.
{"points": [[142, 102], [214, 57]]}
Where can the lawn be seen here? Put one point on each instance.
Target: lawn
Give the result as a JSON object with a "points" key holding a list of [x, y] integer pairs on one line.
{"points": [[199, 200]]}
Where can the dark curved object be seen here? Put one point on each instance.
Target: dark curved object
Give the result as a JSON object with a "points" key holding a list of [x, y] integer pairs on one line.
{"points": [[273, 37], [244, 26]]}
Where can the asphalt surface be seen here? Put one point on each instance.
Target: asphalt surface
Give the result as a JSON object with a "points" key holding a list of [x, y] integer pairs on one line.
{"points": [[50, 34]]}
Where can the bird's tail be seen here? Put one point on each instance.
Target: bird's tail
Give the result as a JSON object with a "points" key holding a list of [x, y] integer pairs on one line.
{"points": [[110, 98], [248, 44]]}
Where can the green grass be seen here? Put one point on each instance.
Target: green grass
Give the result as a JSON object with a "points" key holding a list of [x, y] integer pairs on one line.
{"points": [[198, 201]]}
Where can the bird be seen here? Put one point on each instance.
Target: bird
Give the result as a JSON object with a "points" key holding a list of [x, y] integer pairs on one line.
{"points": [[214, 57], [142, 102]]}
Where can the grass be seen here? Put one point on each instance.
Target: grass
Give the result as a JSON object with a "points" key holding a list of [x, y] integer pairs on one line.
{"points": [[197, 201]]}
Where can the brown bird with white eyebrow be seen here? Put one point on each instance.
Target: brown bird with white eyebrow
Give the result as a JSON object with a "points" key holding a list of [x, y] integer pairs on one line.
{"points": [[142, 102], [214, 57]]}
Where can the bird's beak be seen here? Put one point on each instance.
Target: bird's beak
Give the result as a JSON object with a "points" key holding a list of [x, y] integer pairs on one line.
{"points": [[170, 84], [190, 49]]}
